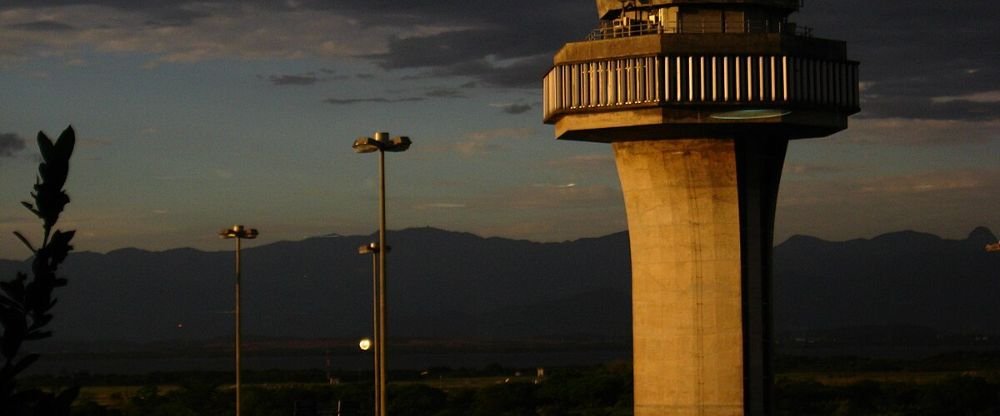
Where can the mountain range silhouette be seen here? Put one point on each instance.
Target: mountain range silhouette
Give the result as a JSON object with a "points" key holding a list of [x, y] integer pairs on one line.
{"points": [[452, 284]]}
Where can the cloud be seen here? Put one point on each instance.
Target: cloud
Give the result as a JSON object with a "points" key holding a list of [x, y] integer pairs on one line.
{"points": [[445, 93], [560, 196], [945, 202], [505, 133], [441, 205], [921, 132], [524, 72], [811, 169], [516, 108], [930, 108], [350, 101], [42, 26], [540, 212], [585, 163], [432, 93], [488, 141], [307, 78], [555, 185], [926, 182], [480, 142], [477, 147], [10, 143], [474, 39], [282, 80], [183, 31], [489, 48], [93, 142], [978, 97], [911, 55], [923, 185]]}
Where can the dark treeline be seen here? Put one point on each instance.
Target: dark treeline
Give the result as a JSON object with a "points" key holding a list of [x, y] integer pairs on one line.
{"points": [[981, 361], [956, 395], [494, 390], [955, 384], [960, 383]]}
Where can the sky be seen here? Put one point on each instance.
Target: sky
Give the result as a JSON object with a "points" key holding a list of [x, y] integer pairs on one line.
{"points": [[195, 115]]}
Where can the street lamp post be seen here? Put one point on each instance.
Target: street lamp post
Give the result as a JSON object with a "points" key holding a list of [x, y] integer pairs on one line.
{"points": [[373, 249], [381, 144], [238, 232]]}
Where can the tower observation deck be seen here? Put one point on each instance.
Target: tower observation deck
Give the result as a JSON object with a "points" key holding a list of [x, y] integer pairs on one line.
{"points": [[699, 99], [702, 67]]}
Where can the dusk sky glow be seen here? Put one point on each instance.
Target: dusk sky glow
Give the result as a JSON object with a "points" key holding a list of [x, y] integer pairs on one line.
{"points": [[195, 115]]}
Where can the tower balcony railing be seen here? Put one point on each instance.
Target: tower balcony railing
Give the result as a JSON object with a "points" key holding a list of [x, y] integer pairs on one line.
{"points": [[620, 28], [701, 80]]}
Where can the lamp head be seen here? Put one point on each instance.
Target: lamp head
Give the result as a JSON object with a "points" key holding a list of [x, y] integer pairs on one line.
{"points": [[238, 231], [381, 142], [398, 144], [372, 248], [366, 145]]}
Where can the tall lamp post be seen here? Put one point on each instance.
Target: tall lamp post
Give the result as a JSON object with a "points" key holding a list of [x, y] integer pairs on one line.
{"points": [[381, 143], [239, 233], [373, 249]]}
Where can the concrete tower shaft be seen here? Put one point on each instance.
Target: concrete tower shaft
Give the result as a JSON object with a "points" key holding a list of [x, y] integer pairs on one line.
{"points": [[699, 99]]}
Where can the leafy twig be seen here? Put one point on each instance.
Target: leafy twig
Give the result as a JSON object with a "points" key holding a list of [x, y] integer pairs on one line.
{"points": [[24, 303]]}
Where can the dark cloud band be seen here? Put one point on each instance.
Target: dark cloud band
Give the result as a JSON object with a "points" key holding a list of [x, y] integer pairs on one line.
{"points": [[10, 143], [913, 53]]}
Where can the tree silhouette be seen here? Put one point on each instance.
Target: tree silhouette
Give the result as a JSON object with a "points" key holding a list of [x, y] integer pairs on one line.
{"points": [[25, 303]]}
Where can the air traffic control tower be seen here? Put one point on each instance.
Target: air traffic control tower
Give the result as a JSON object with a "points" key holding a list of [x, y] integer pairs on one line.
{"points": [[699, 99]]}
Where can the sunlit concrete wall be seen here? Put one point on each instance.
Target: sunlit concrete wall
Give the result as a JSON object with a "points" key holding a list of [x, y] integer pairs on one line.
{"points": [[699, 214]]}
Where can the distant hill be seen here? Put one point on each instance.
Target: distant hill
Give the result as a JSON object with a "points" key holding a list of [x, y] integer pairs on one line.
{"points": [[897, 279], [440, 284], [451, 284]]}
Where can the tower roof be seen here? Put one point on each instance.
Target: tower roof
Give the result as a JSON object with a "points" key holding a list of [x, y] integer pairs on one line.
{"points": [[612, 7]]}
